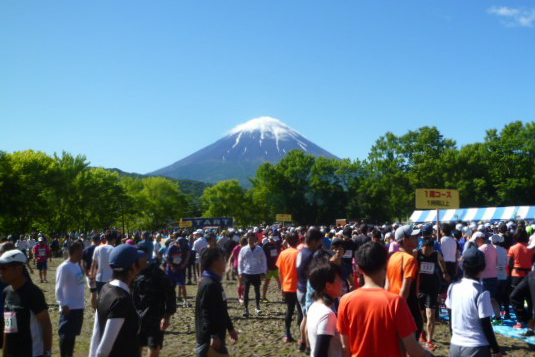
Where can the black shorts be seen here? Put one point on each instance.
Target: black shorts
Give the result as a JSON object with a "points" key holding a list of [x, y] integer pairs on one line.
{"points": [[71, 324], [428, 301], [254, 280], [151, 337]]}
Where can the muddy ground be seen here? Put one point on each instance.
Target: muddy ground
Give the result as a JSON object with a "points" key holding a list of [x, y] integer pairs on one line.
{"points": [[259, 336]]}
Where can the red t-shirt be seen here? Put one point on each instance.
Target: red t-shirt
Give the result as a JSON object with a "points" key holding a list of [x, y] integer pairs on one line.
{"points": [[523, 258], [41, 252], [288, 269], [374, 320]]}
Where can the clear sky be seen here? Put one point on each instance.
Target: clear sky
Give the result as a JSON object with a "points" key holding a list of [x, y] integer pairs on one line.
{"points": [[139, 85]]}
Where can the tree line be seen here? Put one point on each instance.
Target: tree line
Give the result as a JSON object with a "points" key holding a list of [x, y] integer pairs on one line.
{"points": [[58, 194], [499, 170]]}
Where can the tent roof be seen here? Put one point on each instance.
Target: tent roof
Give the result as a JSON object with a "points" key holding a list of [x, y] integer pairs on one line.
{"points": [[475, 214]]}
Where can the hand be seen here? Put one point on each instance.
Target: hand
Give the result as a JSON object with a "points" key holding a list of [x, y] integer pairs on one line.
{"points": [[215, 343], [65, 310], [164, 324], [233, 335]]}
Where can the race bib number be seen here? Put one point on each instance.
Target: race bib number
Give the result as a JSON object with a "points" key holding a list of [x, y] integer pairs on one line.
{"points": [[177, 259], [41, 252], [348, 254], [273, 252], [427, 268], [10, 322]]}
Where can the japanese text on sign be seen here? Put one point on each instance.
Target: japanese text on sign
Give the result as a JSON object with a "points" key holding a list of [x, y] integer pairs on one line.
{"points": [[283, 217], [434, 198]]}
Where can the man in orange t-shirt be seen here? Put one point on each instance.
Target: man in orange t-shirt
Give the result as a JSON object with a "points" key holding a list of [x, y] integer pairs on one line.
{"points": [[402, 272], [288, 276], [372, 321]]}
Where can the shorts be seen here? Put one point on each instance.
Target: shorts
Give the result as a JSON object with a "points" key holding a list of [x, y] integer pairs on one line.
{"points": [[490, 285], [178, 277], [151, 337], [272, 274], [42, 266], [302, 300], [252, 279], [460, 351], [71, 324], [428, 301]]}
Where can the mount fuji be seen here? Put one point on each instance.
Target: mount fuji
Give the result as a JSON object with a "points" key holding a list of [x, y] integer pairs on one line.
{"points": [[241, 151]]}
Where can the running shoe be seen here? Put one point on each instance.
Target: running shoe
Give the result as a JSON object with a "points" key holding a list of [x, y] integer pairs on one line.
{"points": [[302, 345], [187, 303], [258, 312], [288, 339], [246, 314]]}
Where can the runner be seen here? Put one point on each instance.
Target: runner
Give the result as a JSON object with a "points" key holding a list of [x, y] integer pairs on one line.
{"points": [[471, 309], [199, 245], [116, 320], [212, 320], [233, 264], [100, 268], [177, 258], [252, 266], [431, 269], [502, 295], [272, 251], [42, 253], [155, 301], [326, 280], [70, 290], [372, 321], [27, 326], [287, 264], [402, 272]]}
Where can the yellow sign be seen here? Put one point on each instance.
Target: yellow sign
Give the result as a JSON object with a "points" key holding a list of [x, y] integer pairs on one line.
{"points": [[434, 198], [341, 222], [283, 217], [185, 224]]}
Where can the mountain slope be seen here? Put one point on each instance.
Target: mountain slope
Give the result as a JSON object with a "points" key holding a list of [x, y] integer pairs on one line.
{"points": [[239, 154]]}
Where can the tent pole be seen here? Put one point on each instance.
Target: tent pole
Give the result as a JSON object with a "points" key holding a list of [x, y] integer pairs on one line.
{"points": [[438, 224]]}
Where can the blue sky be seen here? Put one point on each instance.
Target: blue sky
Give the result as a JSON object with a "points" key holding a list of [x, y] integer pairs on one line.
{"points": [[139, 85]]}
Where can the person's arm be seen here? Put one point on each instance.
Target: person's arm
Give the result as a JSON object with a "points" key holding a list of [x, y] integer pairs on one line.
{"points": [[43, 318], [170, 296], [263, 262], [322, 346], [489, 334], [60, 281], [413, 348], [511, 264], [442, 265], [405, 288], [241, 262], [345, 344], [94, 264], [111, 331]]}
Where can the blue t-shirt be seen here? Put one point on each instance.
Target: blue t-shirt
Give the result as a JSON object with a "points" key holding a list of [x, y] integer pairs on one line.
{"points": [[303, 261]]}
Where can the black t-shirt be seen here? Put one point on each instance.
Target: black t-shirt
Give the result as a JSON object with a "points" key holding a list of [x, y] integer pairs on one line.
{"points": [[116, 303], [360, 240], [272, 253], [21, 328], [303, 261], [350, 248], [429, 273], [88, 256]]}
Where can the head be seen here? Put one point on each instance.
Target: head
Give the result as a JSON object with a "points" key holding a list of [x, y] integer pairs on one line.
{"points": [[95, 239], [326, 279], [243, 241], [213, 259], [212, 240], [521, 236], [292, 239], [338, 248], [126, 261], [12, 266], [473, 263], [313, 238], [372, 258], [251, 239], [428, 246], [407, 237], [76, 251], [376, 236], [446, 229]]}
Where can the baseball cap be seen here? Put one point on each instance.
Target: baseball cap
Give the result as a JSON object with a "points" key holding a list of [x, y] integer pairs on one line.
{"points": [[496, 238], [427, 230], [477, 235], [40, 239], [123, 256], [473, 258], [13, 256], [405, 231], [199, 231]]}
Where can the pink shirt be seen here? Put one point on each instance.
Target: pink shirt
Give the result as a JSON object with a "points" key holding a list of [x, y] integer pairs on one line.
{"points": [[235, 255], [491, 261]]}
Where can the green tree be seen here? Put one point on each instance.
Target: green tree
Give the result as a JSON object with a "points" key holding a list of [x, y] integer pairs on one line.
{"points": [[228, 199]]}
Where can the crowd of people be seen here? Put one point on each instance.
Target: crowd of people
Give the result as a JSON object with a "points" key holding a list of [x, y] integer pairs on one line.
{"points": [[356, 290]]}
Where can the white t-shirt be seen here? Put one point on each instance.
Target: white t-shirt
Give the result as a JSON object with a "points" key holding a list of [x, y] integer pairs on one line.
{"points": [[502, 262], [468, 302], [101, 256], [199, 246], [448, 245], [70, 285], [321, 320]]}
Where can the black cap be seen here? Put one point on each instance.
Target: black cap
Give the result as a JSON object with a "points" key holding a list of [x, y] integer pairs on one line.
{"points": [[473, 258], [427, 230]]}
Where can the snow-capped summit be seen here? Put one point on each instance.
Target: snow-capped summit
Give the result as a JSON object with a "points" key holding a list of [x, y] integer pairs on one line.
{"points": [[241, 151]]}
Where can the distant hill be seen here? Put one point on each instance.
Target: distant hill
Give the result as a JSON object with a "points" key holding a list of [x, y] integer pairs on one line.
{"points": [[189, 187], [239, 154]]}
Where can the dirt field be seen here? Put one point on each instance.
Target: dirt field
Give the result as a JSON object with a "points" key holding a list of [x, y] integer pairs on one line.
{"points": [[259, 336]]}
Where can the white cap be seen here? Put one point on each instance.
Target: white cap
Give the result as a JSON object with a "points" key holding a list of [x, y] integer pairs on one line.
{"points": [[13, 256], [496, 238], [199, 231], [458, 226], [476, 236]]}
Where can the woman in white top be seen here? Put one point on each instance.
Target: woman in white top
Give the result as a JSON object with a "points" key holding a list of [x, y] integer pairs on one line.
{"points": [[324, 339]]}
